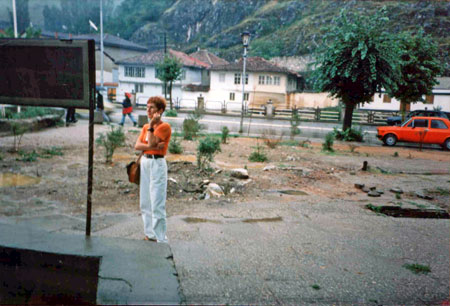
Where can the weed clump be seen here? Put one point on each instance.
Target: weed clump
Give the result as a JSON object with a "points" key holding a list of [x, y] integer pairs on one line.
{"points": [[258, 155], [206, 149], [111, 141], [327, 146]]}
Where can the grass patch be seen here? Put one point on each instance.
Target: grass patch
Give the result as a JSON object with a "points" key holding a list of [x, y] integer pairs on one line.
{"points": [[417, 268], [440, 191], [291, 143], [53, 151], [417, 204], [374, 208], [315, 287]]}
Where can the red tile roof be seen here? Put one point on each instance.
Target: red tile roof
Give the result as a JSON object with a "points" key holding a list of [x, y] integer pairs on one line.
{"points": [[154, 57]]}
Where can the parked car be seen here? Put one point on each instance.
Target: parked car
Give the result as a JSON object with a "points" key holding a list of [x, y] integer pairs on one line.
{"points": [[432, 130], [397, 120]]}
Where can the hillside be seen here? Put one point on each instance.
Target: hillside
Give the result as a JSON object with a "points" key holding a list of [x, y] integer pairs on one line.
{"points": [[279, 28]]}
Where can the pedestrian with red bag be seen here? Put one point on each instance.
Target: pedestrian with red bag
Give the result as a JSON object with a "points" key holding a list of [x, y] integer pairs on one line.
{"points": [[127, 109]]}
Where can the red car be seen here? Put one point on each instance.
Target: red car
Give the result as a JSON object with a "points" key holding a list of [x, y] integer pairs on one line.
{"points": [[432, 130]]}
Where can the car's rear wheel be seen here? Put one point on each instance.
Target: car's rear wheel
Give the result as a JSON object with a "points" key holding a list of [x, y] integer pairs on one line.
{"points": [[446, 145], [390, 140]]}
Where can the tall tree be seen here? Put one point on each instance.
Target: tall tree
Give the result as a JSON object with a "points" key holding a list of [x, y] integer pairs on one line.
{"points": [[168, 71], [358, 59], [419, 66]]}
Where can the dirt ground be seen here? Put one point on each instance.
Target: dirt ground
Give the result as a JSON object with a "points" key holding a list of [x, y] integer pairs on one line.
{"points": [[58, 181]]}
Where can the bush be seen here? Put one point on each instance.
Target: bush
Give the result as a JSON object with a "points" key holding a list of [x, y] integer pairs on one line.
{"points": [[258, 155], [225, 132], [171, 113], [175, 145], [206, 149], [328, 144], [28, 157], [30, 112], [295, 122], [17, 130], [191, 125], [349, 134], [111, 141], [270, 140]]}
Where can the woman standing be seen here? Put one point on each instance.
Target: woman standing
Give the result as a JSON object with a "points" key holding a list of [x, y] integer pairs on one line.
{"points": [[154, 141]]}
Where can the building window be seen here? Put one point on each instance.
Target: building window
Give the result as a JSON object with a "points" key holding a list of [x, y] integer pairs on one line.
{"points": [[246, 78], [221, 77], [183, 74], [429, 99], [268, 80], [237, 78], [231, 96], [261, 79], [138, 88], [386, 99], [246, 96], [135, 72], [276, 80], [156, 73]]}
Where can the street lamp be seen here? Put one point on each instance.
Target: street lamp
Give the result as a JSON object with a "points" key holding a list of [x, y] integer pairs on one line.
{"points": [[245, 40]]}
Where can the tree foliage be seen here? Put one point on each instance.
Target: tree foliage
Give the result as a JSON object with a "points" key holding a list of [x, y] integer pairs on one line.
{"points": [[168, 71], [419, 66], [358, 59]]}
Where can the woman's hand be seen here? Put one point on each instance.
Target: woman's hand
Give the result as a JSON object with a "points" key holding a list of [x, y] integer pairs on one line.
{"points": [[155, 120]]}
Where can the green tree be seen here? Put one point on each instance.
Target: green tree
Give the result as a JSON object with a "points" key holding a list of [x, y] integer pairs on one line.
{"points": [[358, 59], [168, 71], [419, 66]]}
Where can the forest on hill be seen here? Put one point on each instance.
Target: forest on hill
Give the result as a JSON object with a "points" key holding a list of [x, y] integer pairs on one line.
{"points": [[279, 28]]}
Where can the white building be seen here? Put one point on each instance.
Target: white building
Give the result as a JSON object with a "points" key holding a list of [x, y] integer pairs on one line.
{"points": [[138, 74], [264, 81], [439, 99]]}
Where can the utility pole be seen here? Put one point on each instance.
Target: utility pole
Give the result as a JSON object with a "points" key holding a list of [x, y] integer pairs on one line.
{"points": [[165, 52], [101, 43]]}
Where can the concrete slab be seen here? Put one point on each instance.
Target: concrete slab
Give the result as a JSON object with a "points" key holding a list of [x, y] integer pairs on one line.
{"points": [[131, 271]]}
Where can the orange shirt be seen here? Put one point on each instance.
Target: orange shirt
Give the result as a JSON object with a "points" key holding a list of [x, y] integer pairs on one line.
{"points": [[163, 131]]}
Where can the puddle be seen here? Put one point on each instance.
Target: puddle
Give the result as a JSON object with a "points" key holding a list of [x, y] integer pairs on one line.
{"points": [[13, 180], [292, 192], [400, 212], [199, 220], [275, 219], [177, 157]]}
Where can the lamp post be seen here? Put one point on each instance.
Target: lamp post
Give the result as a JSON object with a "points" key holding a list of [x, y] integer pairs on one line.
{"points": [[245, 40]]}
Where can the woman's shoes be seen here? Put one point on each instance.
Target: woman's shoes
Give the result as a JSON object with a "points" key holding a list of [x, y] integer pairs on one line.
{"points": [[146, 238]]}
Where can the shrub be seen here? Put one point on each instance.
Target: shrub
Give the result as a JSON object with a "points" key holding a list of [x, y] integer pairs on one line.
{"points": [[111, 141], [225, 132], [191, 125], [175, 145], [30, 112], [349, 134], [295, 122], [53, 151], [18, 130], [171, 113], [328, 144], [258, 155], [28, 157], [206, 149], [270, 140]]}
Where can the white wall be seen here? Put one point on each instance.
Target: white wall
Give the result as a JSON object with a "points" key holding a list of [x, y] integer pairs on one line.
{"points": [[442, 101]]}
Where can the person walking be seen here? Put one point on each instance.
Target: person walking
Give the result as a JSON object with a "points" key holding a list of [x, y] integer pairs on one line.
{"points": [[153, 141], [70, 116], [127, 109], [101, 107]]}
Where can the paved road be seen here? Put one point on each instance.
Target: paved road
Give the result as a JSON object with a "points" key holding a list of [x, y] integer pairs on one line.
{"points": [[258, 126]]}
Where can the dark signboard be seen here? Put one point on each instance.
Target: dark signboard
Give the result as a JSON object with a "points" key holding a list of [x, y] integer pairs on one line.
{"points": [[46, 72]]}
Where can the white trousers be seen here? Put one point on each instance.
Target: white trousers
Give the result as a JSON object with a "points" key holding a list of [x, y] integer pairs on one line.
{"points": [[153, 191]]}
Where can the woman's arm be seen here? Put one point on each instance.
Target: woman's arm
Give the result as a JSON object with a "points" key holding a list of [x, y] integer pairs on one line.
{"points": [[155, 143]]}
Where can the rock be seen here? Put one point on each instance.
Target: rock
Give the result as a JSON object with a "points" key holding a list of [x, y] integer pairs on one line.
{"points": [[373, 188], [365, 166], [373, 193], [171, 179], [423, 196], [396, 190], [290, 158], [240, 173], [126, 191], [204, 183], [352, 173], [269, 167], [232, 190], [365, 189], [218, 171], [359, 186], [214, 190]]}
